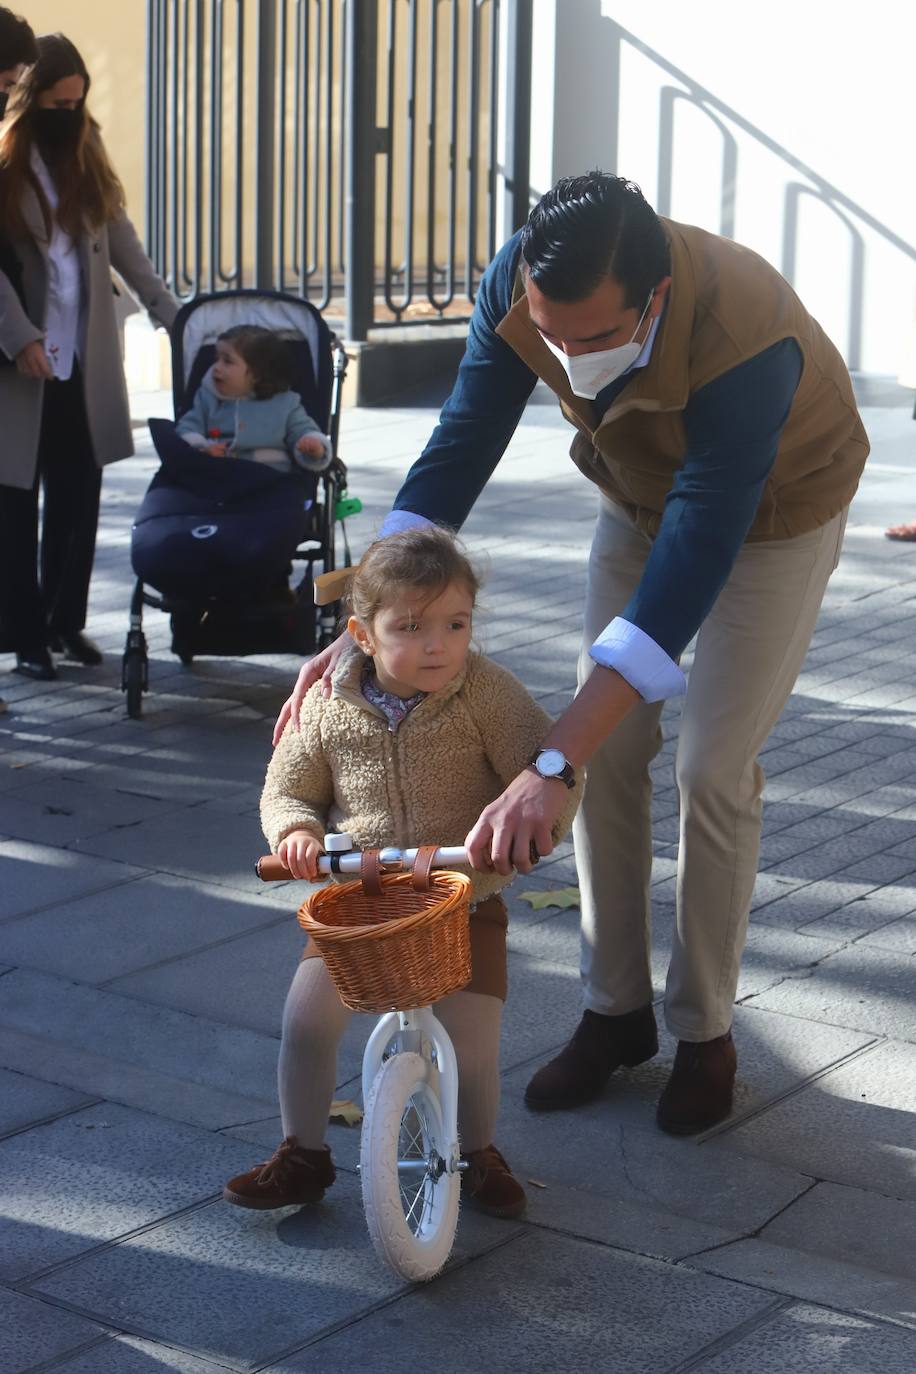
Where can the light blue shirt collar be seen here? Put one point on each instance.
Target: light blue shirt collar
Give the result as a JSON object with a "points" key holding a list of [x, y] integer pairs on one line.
{"points": [[646, 348]]}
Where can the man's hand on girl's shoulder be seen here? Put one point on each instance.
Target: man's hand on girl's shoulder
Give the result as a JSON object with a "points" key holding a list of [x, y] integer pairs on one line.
{"points": [[317, 669]]}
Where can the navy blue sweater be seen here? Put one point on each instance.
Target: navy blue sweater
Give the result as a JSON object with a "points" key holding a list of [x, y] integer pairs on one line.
{"points": [[732, 427]]}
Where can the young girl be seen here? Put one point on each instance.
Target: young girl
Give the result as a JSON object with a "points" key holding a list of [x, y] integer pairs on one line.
{"points": [[419, 734], [244, 407]]}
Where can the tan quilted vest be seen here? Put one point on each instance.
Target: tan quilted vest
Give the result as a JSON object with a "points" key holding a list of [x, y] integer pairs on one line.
{"points": [[725, 305]]}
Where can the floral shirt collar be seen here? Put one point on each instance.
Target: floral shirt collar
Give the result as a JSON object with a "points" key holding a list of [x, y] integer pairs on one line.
{"points": [[395, 709]]}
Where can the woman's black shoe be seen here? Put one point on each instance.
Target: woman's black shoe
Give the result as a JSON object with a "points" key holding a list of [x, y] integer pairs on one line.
{"points": [[39, 665], [79, 648]]}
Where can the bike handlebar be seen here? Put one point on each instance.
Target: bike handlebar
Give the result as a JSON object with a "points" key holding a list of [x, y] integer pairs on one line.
{"points": [[270, 869]]}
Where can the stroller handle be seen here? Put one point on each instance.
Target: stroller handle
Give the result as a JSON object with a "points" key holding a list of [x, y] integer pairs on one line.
{"points": [[270, 869]]}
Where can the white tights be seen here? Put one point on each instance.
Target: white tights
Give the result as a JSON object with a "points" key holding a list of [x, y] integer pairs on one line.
{"points": [[314, 1020]]}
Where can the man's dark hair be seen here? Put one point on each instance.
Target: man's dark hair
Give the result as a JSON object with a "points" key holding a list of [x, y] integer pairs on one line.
{"points": [[594, 226], [17, 41]]}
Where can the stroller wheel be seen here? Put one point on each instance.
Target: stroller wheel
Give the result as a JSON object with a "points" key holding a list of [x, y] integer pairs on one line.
{"points": [[134, 680], [185, 624]]}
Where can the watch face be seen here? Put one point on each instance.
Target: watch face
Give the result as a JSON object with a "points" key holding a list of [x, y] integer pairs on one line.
{"points": [[550, 763]]}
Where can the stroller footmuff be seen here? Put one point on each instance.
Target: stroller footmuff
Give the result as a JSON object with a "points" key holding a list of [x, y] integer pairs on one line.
{"points": [[217, 527]]}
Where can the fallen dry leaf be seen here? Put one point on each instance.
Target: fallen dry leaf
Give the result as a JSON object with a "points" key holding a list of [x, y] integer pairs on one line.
{"points": [[345, 1113], [556, 896]]}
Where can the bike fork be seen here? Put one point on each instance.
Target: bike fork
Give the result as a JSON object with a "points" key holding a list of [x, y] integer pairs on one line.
{"points": [[410, 1029]]}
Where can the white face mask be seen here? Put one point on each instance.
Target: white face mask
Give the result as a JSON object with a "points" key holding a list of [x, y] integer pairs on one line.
{"points": [[590, 373]]}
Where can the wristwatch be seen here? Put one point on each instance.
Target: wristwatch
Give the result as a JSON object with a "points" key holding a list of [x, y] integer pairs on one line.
{"points": [[551, 763]]}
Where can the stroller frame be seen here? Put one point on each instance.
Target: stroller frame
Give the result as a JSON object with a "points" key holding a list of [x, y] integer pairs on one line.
{"points": [[332, 504]]}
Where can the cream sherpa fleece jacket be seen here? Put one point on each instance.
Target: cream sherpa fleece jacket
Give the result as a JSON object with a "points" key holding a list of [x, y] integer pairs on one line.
{"points": [[427, 782]]}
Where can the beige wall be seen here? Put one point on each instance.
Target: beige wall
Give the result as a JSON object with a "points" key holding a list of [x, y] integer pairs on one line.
{"points": [[111, 35]]}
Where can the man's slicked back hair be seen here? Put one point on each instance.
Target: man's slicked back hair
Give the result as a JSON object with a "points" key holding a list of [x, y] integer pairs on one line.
{"points": [[590, 227]]}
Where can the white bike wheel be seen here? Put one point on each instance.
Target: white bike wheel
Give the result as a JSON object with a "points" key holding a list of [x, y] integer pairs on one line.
{"points": [[411, 1202]]}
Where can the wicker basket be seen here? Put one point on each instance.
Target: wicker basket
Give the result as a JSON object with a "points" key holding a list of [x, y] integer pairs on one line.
{"points": [[405, 948]]}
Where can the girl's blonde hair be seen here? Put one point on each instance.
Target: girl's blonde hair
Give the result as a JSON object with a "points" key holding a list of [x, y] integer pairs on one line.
{"points": [[426, 559], [89, 190]]}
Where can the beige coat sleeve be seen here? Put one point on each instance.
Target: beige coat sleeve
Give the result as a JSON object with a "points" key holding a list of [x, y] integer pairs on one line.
{"points": [[513, 728], [129, 259], [298, 789]]}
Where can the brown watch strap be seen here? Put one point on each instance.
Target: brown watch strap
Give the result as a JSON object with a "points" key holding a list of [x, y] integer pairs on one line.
{"points": [[422, 869], [370, 872]]}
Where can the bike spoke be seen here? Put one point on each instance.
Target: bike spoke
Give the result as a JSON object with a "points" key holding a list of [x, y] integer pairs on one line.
{"points": [[421, 1198], [414, 1146]]}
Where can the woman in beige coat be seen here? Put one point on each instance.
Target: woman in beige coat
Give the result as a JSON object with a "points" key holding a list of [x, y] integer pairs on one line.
{"points": [[63, 396]]}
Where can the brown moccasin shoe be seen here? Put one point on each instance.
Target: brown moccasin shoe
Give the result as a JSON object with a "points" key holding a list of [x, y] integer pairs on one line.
{"points": [[599, 1045], [290, 1178], [489, 1184], [699, 1092]]}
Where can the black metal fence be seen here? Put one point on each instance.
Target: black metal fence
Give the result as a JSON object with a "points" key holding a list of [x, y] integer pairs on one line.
{"points": [[352, 151]]}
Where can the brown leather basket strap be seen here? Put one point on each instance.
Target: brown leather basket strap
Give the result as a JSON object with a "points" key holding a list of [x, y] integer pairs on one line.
{"points": [[422, 869], [370, 872]]}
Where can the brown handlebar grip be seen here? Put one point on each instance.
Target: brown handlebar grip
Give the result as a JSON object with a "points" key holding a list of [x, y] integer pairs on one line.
{"points": [[270, 869]]}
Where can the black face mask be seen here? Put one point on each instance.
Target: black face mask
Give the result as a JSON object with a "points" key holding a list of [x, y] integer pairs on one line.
{"points": [[4, 100], [57, 130]]}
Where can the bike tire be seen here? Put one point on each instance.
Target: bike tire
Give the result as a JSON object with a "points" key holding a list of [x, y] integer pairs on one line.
{"points": [[415, 1243]]}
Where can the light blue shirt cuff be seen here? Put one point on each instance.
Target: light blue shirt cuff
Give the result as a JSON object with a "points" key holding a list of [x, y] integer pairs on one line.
{"points": [[635, 656], [397, 520]]}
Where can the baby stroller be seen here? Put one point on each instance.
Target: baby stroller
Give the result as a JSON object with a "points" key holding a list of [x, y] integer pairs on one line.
{"points": [[214, 540]]}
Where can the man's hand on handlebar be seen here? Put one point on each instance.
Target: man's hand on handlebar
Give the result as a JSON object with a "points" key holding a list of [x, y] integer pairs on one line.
{"points": [[319, 668], [516, 829], [300, 852]]}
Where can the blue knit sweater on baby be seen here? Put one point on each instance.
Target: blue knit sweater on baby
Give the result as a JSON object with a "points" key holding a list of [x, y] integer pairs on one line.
{"points": [[266, 431]]}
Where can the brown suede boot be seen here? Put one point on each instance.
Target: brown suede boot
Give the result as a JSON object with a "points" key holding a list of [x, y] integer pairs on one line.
{"points": [[599, 1045], [699, 1092], [490, 1185], [290, 1178]]}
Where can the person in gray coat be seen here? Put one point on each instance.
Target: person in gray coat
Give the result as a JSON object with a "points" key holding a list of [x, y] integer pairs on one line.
{"points": [[17, 51], [63, 395]]}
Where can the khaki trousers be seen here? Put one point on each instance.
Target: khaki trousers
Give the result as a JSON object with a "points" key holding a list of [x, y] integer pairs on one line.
{"points": [[749, 652]]}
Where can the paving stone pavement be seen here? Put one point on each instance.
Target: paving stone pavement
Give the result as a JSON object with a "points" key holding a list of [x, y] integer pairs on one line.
{"points": [[143, 969]]}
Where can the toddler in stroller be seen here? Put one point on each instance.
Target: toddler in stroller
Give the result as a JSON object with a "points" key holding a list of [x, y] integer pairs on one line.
{"points": [[244, 406], [250, 483]]}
